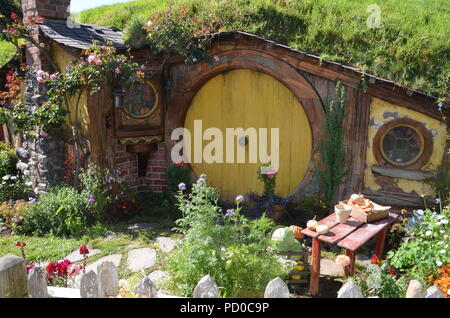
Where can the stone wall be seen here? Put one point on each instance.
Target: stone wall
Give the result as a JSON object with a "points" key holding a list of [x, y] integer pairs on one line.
{"points": [[42, 157]]}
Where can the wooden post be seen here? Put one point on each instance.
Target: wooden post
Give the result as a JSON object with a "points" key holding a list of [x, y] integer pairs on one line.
{"points": [[315, 271], [379, 244], [348, 270], [13, 277]]}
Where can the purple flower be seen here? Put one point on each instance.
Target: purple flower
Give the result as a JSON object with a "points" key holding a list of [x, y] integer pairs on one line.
{"points": [[31, 200], [230, 212], [91, 199], [182, 186], [201, 180], [239, 198]]}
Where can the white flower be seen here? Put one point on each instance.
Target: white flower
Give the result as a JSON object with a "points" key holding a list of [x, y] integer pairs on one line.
{"points": [[440, 242], [6, 177], [428, 232], [442, 231], [439, 263], [442, 251], [440, 217], [438, 201], [444, 222], [13, 177]]}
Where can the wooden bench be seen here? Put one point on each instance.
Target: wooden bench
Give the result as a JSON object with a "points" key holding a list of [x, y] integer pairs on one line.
{"points": [[350, 236]]}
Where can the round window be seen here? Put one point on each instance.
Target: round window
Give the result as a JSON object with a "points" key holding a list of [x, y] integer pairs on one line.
{"points": [[141, 101], [403, 142], [402, 145]]}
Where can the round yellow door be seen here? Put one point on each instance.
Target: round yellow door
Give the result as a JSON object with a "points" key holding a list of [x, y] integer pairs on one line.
{"points": [[249, 99]]}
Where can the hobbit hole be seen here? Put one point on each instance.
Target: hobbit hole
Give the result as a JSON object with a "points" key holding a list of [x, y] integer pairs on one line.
{"points": [[394, 136]]}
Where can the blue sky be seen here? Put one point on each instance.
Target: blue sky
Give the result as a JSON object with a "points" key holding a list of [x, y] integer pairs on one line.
{"points": [[79, 5]]}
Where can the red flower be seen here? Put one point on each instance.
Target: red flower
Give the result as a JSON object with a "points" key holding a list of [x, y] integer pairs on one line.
{"points": [[392, 271], [20, 244], [84, 250], [14, 16], [375, 259]]}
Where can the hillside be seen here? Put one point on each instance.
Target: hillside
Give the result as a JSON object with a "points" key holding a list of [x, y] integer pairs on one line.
{"points": [[412, 46]]}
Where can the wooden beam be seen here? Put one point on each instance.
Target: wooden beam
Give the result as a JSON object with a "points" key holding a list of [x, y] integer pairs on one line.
{"points": [[406, 200], [419, 175]]}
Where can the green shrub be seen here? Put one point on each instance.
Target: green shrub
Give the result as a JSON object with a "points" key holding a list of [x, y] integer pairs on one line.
{"points": [[60, 212], [425, 246], [232, 249], [177, 174]]}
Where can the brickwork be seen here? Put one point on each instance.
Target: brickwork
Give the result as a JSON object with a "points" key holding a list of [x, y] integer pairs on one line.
{"points": [[155, 173], [52, 9]]}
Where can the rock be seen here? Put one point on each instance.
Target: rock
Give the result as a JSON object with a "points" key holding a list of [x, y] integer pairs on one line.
{"points": [[330, 268], [114, 258], [277, 288], [146, 288], [108, 279], [144, 226], [350, 290], [166, 244], [158, 277], [433, 292], [89, 287], [206, 288], [13, 277], [22, 153], [414, 289], [37, 283], [75, 256], [22, 166], [141, 258]]}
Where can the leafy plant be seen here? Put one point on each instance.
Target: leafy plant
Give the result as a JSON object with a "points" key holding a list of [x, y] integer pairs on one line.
{"points": [[13, 212], [60, 212], [232, 249], [176, 174], [332, 168], [425, 246]]}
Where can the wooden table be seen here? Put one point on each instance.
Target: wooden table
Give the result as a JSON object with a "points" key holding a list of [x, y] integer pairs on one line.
{"points": [[350, 236]]}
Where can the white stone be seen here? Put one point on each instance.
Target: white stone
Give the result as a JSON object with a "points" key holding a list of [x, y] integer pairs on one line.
{"points": [[433, 292], [414, 289], [13, 277], [75, 256], [108, 279], [89, 287], [114, 258], [350, 290], [61, 292], [146, 288], [166, 244], [277, 288], [206, 288], [141, 258], [37, 283], [158, 277]]}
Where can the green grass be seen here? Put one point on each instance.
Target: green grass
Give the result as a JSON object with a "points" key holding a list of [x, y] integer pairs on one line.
{"points": [[7, 51], [411, 48]]}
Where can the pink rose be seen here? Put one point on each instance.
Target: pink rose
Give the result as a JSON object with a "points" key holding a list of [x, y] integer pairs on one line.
{"points": [[98, 62], [117, 70], [40, 73], [91, 58], [53, 76], [216, 58], [40, 79]]}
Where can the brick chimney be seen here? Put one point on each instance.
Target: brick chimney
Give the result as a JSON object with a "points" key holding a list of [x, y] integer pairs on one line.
{"points": [[49, 9]]}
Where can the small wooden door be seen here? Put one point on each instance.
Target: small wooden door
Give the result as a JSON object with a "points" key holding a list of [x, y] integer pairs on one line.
{"points": [[246, 98]]}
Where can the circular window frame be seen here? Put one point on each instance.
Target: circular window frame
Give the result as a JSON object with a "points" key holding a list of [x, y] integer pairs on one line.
{"points": [[421, 159], [153, 107]]}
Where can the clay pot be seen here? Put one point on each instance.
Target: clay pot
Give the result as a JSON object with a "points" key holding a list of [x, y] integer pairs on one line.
{"points": [[342, 212]]}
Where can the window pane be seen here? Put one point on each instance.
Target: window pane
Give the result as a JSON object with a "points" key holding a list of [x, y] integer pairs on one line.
{"points": [[401, 145]]}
